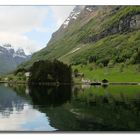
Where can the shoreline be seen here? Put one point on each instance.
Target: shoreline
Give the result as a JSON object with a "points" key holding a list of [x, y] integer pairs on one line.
{"points": [[78, 83]]}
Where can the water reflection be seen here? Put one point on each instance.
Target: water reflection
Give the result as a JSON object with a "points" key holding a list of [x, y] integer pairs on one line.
{"points": [[9, 101], [50, 96], [17, 113], [66, 108], [114, 108]]}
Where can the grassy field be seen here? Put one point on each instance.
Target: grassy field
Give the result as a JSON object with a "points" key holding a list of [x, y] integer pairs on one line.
{"points": [[115, 74]]}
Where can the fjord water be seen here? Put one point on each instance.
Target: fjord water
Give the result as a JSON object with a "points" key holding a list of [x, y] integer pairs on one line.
{"points": [[69, 108]]}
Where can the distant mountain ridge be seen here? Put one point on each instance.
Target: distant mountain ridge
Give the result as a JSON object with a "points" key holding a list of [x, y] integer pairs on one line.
{"points": [[10, 59]]}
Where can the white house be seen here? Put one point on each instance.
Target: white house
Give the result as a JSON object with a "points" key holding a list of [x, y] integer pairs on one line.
{"points": [[27, 74], [85, 81]]}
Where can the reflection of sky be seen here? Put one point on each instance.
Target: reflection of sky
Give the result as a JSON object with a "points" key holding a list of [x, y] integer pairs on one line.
{"points": [[16, 113], [27, 119]]}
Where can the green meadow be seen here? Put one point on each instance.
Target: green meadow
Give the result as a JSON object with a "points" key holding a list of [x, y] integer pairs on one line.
{"points": [[117, 73]]}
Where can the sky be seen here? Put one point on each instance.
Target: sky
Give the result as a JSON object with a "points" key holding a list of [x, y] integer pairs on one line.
{"points": [[30, 27]]}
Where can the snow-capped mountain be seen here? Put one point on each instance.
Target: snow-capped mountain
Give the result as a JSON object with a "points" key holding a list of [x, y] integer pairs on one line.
{"points": [[20, 53], [73, 15], [11, 58], [77, 12], [69, 20]]}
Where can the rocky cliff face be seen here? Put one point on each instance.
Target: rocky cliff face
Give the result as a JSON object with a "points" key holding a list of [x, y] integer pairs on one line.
{"points": [[126, 24]]}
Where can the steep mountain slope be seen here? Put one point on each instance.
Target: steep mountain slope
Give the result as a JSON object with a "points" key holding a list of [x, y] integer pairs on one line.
{"points": [[10, 59], [96, 33]]}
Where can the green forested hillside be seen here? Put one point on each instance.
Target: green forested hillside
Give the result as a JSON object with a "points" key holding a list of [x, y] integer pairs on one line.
{"points": [[105, 35]]}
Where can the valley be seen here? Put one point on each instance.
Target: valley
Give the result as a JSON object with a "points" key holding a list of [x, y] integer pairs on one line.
{"points": [[86, 78]]}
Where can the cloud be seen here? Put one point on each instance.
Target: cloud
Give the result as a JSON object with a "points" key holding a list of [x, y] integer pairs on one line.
{"points": [[19, 41], [21, 19], [17, 21]]}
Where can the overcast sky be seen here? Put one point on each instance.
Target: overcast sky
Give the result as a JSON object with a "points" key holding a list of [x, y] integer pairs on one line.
{"points": [[30, 27]]}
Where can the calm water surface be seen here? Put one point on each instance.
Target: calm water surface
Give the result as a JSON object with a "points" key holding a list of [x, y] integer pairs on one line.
{"points": [[66, 108]]}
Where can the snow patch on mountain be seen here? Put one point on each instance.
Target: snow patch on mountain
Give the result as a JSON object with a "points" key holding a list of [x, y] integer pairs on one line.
{"points": [[8, 48], [11, 58], [19, 53], [73, 15], [89, 9], [8, 51]]}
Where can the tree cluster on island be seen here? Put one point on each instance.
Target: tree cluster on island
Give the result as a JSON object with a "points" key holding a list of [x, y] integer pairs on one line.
{"points": [[50, 71]]}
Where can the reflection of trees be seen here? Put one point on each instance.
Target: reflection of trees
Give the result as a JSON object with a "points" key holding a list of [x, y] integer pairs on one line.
{"points": [[22, 91], [108, 111], [53, 101], [62, 119], [9, 101], [87, 109], [50, 95], [112, 112]]}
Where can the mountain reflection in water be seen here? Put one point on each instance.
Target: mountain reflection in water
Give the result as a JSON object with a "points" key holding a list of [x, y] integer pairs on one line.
{"points": [[69, 108]]}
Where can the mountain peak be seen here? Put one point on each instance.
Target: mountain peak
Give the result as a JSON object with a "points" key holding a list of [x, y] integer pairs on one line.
{"points": [[10, 59], [7, 46], [73, 15], [20, 52]]}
